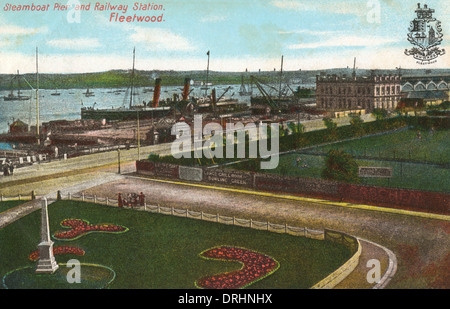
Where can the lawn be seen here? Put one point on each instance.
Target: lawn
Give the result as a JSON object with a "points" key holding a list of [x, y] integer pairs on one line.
{"points": [[402, 151], [6, 205], [162, 251], [432, 146], [404, 175]]}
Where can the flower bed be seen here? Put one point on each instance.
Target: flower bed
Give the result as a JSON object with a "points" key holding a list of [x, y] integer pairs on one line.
{"points": [[256, 266], [80, 227], [58, 250]]}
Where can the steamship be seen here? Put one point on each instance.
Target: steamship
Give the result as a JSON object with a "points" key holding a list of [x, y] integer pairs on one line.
{"points": [[132, 112], [148, 110]]}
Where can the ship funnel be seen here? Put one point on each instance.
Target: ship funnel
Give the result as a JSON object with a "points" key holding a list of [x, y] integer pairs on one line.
{"points": [[186, 89], [156, 92]]}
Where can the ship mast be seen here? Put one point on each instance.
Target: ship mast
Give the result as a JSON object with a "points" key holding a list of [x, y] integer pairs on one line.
{"points": [[18, 84], [281, 76], [207, 75], [132, 78]]}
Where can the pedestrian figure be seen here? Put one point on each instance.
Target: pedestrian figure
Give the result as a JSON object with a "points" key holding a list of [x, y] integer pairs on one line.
{"points": [[120, 201], [141, 199], [133, 201], [129, 199], [5, 170], [298, 160], [11, 168]]}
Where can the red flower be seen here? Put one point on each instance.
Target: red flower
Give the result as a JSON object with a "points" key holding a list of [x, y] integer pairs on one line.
{"points": [[256, 266], [59, 250], [80, 227]]}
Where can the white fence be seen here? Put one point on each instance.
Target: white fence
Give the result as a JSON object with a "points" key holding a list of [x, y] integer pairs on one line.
{"points": [[18, 197], [200, 215]]}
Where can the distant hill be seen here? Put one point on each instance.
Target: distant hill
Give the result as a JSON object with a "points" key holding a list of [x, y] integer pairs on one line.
{"points": [[122, 78]]}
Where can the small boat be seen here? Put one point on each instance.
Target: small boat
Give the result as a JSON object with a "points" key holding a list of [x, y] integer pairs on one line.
{"points": [[244, 91], [56, 93], [88, 93], [19, 97]]}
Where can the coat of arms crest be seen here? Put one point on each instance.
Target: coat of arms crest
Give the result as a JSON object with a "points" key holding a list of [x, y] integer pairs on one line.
{"points": [[425, 33]]}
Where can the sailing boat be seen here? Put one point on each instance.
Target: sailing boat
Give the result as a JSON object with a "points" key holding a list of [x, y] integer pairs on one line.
{"points": [[18, 97], [88, 93], [243, 91], [56, 93]]}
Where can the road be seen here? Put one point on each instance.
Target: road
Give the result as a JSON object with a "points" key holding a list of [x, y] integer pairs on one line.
{"points": [[49, 176]]}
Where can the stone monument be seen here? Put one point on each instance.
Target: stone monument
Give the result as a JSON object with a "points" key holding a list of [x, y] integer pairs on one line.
{"points": [[46, 263]]}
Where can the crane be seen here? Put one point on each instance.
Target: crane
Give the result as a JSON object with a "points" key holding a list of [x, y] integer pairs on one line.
{"points": [[273, 105]]}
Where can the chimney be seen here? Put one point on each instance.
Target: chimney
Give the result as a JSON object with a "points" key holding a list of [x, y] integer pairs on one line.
{"points": [[186, 89], [156, 92]]}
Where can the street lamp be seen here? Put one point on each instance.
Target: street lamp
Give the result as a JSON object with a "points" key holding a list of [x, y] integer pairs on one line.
{"points": [[118, 160], [138, 137]]}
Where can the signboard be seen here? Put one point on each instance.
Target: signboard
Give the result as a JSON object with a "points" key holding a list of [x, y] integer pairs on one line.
{"points": [[318, 186], [228, 177], [371, 171], [166, 170], [276, 183], [145, 168], [191, 173]]}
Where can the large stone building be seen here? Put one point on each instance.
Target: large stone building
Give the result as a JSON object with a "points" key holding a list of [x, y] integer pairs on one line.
{"points": [[340, 93]]}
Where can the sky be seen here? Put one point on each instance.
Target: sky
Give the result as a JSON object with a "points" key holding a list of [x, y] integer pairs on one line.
{"points": [[240, 35]]}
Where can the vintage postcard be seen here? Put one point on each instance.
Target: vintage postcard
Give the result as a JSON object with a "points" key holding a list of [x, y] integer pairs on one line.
{"points": [[186, 146]]}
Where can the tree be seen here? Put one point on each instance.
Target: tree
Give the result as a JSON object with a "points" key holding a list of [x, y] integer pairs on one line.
{"points": [[340, 166], [332, 129], [303, 92], [445, 105], [297, 130], [379, 114], [282, 131], [154, 157], [357, 127]]}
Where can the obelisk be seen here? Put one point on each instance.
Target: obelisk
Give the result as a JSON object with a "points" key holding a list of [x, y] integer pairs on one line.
{"points": [[46, 263]]}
